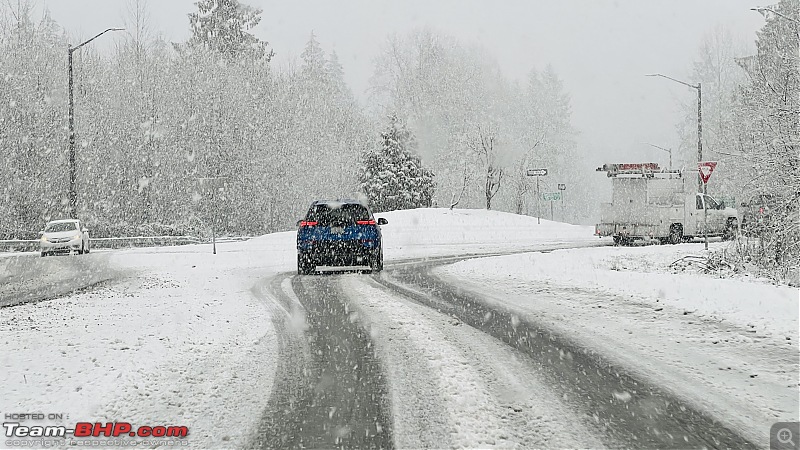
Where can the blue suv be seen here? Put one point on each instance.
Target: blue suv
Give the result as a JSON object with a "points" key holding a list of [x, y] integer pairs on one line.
{"points": [[339, 233]]}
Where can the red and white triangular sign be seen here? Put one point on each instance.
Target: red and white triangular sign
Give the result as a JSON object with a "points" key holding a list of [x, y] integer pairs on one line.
{"points": [[706, 168]]}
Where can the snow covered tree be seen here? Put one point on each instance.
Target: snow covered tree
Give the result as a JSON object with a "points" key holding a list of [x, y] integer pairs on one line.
{"points": [[314, 63], [485, 146], [768, 121], [222, 26], [717, 70], [450, 91], [392, 176], [31, 120]]}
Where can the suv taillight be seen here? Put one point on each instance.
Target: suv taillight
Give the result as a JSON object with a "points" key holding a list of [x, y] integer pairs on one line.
{"points": [[307, 223], [365, 222]]}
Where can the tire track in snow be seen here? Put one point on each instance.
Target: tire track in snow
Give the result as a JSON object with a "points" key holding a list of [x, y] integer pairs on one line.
{"points": [[634, 413], [336, 396], [280, 425], [454, 386]]}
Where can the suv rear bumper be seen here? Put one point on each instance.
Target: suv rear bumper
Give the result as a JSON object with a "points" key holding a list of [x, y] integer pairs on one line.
{"points": [[339, 254]]}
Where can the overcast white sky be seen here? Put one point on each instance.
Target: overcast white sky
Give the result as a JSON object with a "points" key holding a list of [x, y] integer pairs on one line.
{"points": [[601, 48]]}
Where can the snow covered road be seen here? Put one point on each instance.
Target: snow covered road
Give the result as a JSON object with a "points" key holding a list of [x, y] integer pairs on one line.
{"points": [[381, 370], [404, 358], [627, 410]]}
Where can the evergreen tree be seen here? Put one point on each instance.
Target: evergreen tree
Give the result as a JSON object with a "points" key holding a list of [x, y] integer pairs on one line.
{"points": [[313, 59], [222, 26], [392, 176]]}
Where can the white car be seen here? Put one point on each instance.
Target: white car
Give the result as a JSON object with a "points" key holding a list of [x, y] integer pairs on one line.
{"points": [[64, 236]]}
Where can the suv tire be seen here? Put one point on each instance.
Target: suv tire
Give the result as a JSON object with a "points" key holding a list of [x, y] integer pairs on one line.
{"points": [[376, 264], [304, 267]]}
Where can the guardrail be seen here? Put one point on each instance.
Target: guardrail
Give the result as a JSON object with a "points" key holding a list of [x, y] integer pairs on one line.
{"points": [[29, 245], [144, 241], [18, 245]]}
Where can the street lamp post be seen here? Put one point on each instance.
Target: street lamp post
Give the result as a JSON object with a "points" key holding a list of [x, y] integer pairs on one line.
{"points": [[73, 193], [699, 119], [762, 10], [668, 150]]}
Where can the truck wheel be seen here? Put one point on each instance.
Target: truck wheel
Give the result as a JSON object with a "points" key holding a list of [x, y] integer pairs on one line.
{"points": [[675, 234], [617, 240], [730, 230]]}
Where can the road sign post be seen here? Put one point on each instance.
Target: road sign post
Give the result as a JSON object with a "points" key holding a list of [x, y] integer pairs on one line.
{"points": [[537, 173], [551, 197], [705, 168], [562, 187], [211, 186]]}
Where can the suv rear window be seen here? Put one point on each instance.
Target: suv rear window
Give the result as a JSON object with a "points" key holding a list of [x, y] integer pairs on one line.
{"points": [[332, 214]]}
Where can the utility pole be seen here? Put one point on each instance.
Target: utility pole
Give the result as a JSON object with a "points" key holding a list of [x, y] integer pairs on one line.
{"points": [[73, 194], [73, 170], [699, 89], [700, 135]]}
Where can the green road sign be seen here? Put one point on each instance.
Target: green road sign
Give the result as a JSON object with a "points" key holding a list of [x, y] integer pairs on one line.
{"points": [[551, 196]]}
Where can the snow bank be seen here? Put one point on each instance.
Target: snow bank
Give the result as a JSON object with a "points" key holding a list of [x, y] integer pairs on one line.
{"points": [[643, 272], [440, 231]]}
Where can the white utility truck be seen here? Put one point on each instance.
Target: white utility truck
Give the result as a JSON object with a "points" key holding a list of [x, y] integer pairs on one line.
{"points": [[649, 203]]}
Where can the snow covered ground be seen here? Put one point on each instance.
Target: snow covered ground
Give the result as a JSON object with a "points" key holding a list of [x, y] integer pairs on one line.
{"points": [[729, 346], [182, 339]]}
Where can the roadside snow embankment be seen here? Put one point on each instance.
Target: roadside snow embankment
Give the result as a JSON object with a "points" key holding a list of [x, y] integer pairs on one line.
{"points": [[429, 232], [643, 272]]}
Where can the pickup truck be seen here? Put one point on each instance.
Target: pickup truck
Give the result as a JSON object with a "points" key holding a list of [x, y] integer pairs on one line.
{"points": [[663, 206]]}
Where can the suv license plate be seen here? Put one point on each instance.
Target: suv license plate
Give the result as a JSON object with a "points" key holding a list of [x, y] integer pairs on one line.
{"points": [[337, 230]]}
